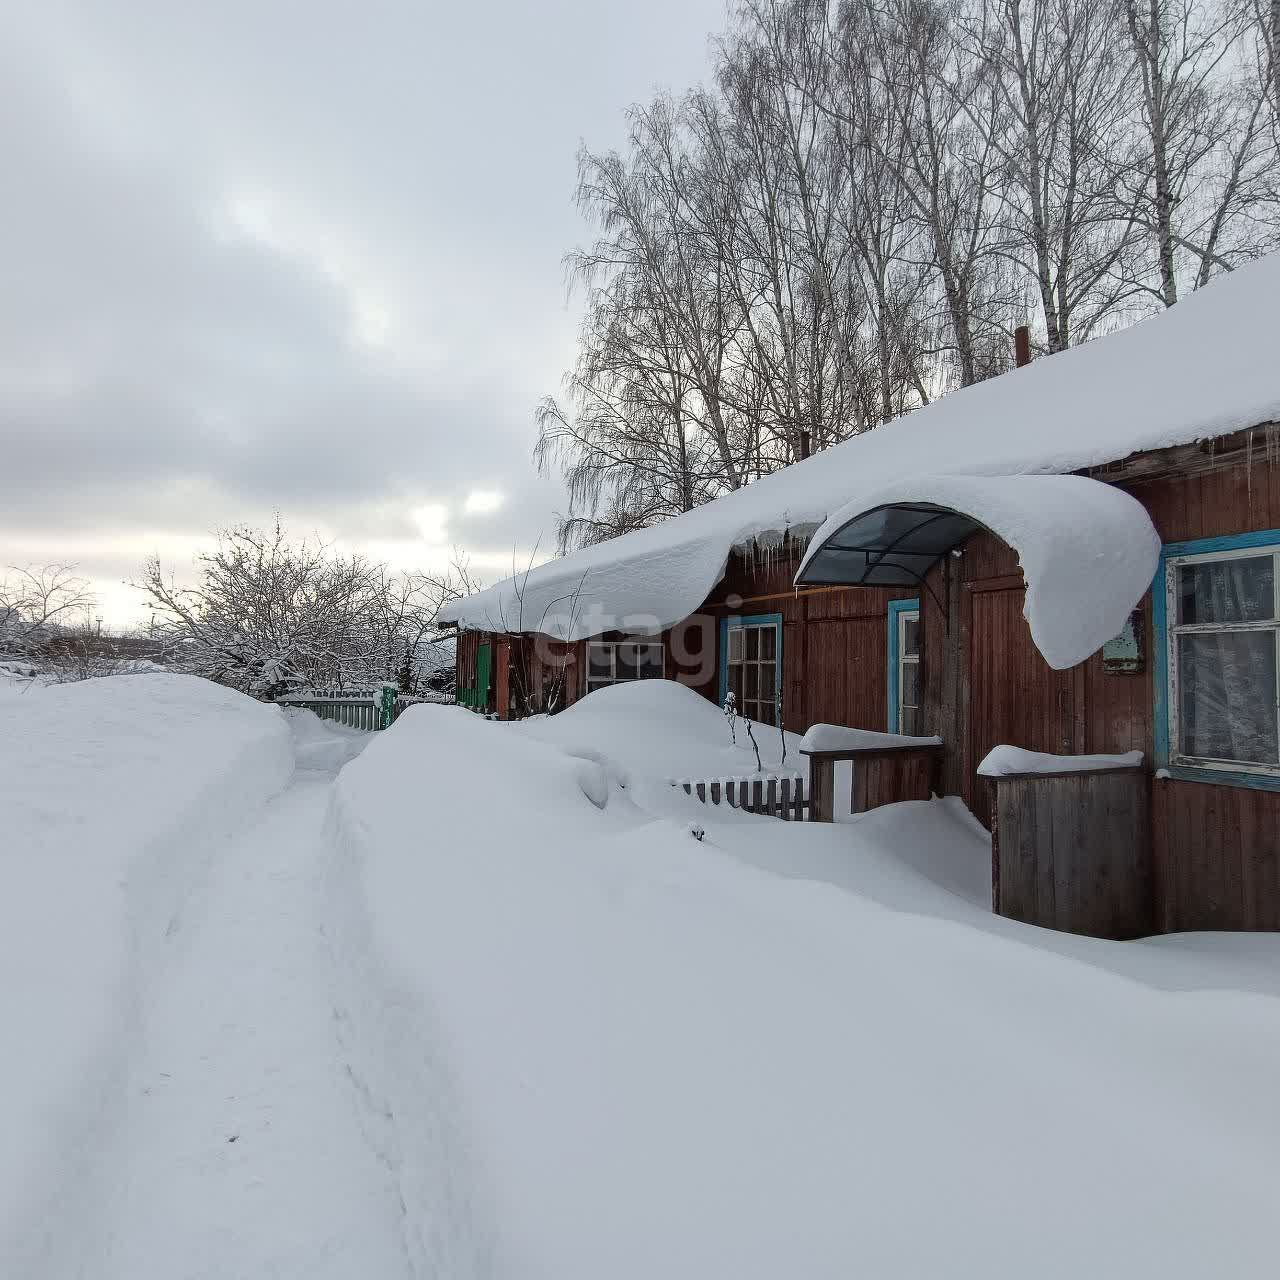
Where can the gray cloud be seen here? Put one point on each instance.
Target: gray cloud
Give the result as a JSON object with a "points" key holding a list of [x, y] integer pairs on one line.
{"points": [[302, 256]]}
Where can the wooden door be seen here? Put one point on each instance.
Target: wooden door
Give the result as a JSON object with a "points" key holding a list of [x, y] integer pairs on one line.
{"points": [[1015, 697], [484, 667], [847, 672]]}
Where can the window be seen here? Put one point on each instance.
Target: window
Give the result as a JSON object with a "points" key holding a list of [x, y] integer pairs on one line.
{"points": [[751, 665], [904, 667], [613, 661], [1221, 627]]}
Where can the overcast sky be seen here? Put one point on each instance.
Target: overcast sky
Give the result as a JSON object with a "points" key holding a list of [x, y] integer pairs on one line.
{"points": [[297, 254]]}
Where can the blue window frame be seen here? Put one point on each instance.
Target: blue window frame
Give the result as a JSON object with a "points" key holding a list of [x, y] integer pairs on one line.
{"points": [[751, 664], [1216, 617], [904, 667]]}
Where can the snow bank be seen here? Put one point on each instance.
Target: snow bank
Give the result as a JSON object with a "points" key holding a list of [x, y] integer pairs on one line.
{"points": [[1004, 761], [618, 1051], [1087, 549], [1204, 368], [661, 730], [835, 737], [322, 745], [109, 789]]}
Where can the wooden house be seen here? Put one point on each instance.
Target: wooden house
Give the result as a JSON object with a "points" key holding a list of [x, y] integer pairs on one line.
{"points": [[1080, 558]]}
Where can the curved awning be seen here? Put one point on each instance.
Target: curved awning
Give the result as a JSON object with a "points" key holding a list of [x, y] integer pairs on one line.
{"points": [[893, 545], [1088, 550]]}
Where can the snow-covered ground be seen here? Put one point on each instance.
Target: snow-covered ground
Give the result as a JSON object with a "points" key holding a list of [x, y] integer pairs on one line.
{"points": [[469, 999], [783, 1049], [177, 1102]]}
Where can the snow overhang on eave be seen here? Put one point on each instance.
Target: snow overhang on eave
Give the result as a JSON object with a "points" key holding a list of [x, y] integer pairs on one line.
{"points": [[1088, 550]]}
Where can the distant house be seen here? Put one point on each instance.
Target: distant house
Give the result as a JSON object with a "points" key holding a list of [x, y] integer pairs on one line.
{"points": [[1079, 558]]}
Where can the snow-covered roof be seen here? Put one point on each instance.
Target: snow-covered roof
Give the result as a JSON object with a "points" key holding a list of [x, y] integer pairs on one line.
{"points": [[1206, 368], [1088, 550]]}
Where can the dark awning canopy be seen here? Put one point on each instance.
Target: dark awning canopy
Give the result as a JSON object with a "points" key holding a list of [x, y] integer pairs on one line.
{"points": [[888, 546]]}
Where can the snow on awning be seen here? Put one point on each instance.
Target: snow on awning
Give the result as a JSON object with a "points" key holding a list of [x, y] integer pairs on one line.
{"points": [[1087, 549]]}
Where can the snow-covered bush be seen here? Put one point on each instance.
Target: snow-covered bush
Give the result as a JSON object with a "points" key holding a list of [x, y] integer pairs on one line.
{"points": [[268, 615]]}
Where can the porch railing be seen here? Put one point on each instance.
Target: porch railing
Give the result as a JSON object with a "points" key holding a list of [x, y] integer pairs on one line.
{"points": [[881, 774]]}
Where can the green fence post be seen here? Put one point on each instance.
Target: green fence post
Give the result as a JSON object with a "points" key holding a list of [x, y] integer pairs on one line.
{"points": [[389, 693]]}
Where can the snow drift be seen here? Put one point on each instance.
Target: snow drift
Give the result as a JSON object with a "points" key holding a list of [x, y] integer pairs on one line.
{"points": [[782, 1050], [1202, 369], [111, 791], [661, 730]]}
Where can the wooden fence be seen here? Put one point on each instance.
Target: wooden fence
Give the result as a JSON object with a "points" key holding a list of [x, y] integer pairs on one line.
{"points": [[368, 709], [775, 797]]}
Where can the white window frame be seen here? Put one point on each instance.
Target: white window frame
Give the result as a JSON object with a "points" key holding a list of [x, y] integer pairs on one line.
{"points": [[1174, 630], [905, 616], [591, 682]]}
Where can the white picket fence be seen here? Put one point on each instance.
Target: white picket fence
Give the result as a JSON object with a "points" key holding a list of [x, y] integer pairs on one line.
{"points": [[779, 795]]}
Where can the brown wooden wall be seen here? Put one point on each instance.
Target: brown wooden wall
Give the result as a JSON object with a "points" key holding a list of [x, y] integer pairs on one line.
{"points": [[1216, 848], [834, 642]]}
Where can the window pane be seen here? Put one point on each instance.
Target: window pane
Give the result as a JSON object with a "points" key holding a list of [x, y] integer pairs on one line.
{"points": [[751, 681], [909, 694], [766, 681], [909, 721], [626, 658], [766, 713], [735, 644], [751, 646], [1227, 696], [649, 662], [910, 635], [768, 642], [735, 685], [599, 661], [1227, 590]]}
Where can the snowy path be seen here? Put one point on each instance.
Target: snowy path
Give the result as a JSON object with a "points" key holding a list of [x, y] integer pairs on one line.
{"points": [[241, 1149]]}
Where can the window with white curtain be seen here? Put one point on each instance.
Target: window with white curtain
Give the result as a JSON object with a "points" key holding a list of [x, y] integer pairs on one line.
{"points": [[1223, 611]]}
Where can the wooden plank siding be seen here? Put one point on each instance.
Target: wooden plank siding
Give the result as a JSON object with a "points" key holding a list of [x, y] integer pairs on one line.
{"points": [[835, 641], [1072, 852], [1216, 849]]}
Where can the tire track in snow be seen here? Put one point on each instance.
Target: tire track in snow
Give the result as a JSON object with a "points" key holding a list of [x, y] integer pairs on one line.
{"points": [[398, 1068], [239, 1148]]}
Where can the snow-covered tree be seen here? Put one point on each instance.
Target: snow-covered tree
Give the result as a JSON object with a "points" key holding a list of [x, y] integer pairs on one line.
{"points": [[37, 603], [268, 614]]}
